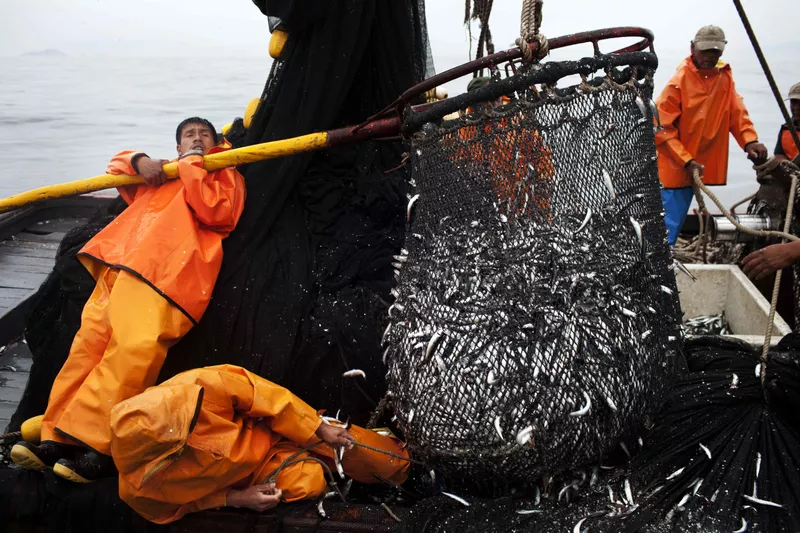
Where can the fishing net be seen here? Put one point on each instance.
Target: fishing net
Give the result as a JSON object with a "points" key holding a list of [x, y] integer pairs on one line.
{"points": [[536, 318], [722, 456]]}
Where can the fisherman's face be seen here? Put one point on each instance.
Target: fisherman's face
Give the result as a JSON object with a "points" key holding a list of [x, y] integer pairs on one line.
{"points": [[705, 59], [794, 104], [196, 137]]}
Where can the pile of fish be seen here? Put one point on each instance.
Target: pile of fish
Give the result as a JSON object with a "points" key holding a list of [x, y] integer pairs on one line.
{"points": [[519, 346], [707, 325]]}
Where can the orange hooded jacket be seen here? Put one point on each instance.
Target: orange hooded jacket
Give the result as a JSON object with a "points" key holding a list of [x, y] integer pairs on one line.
{"points": [[170, 236], [180, 446], [697, 110]]}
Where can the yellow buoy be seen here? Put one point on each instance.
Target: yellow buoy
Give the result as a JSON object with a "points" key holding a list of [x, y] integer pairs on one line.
{"points": [[276, 43], [31, 429], [226, 128], [250, 111]]}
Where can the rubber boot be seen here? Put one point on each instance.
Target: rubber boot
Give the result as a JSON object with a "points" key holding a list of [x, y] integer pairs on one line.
{"points": [[86, 467], [43, 456]]}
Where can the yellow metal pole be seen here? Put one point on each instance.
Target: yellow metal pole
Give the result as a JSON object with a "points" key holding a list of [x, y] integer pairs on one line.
{"points": [[229, 158]]}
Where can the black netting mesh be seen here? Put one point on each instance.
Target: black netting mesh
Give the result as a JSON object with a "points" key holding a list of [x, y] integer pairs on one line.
{"points": [[536, 316]]}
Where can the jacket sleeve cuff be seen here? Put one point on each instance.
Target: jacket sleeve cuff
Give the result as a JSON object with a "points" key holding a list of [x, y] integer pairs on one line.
{"points": [[135, 160]]}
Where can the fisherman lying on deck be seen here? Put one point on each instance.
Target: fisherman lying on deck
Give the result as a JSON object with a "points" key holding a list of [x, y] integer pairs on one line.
{"points": [[155, 266], [221, 435]]}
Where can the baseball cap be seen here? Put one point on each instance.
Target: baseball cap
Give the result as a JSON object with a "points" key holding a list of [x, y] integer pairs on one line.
{"points": [[794, 92], [710, 38]]}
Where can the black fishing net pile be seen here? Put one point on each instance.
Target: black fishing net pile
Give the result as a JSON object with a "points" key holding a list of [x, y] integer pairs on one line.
{"points": [[536, 319], [718, 440]]}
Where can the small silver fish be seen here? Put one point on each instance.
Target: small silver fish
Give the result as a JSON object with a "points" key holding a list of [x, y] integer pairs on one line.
{"points": [[743, 527], [586, 407], [529, 511], [432, 344], [628, 491], [498, 428], [321, 510], [683, 501], [585, 222], [705, 450], [609, 184], [637, 228], [525, 436], [735, 382], [641, 106], [411, 203], [459, 499], [762, 502], [758, 464], [676, 473], [355, 373]]}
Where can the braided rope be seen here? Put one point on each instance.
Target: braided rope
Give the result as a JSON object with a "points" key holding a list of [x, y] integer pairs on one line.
{"points": [[530, 23], [794, 172]]}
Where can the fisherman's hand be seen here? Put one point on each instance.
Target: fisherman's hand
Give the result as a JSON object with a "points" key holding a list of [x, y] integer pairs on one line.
{"points": [[756, 152], [334, 435], [769, 260], [258, 497], [691, 166], [152, 170]]}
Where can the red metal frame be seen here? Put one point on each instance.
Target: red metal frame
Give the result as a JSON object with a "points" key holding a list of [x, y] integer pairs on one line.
{"points": [[509, 56], [381, 125]]}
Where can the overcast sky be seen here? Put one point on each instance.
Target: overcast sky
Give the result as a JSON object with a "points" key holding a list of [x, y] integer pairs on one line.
{"points": [[221, 28]]}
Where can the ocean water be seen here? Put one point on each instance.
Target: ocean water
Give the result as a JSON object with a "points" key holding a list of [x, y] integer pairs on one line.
{"points": [[63, 117]]}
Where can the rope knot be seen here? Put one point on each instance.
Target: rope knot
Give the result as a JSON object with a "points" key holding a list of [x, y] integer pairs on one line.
{"points": [[542, 47]]}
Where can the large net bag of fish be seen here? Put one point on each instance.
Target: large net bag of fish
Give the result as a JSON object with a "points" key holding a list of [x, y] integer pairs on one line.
{"points": [[536, 316]]}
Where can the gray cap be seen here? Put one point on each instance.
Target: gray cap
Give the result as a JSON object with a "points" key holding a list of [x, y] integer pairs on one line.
{"points": [[794, 92], [710, 38]]}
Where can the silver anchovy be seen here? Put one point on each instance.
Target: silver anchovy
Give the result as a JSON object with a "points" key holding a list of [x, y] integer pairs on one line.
{"points": [[609, 184], [321, 510], [498, 428], [459, 499], [628, 492], [586, 407], [743, 527], [758, 464], [637, 228], [683, 501], [525, 436], [411, 203], [641, 106], [705, 450], [762, 502], [680, 266], [656, 115], [735, 382], [529, 511], [355, 373], [676, 473], [432, 344], [585, 222]]}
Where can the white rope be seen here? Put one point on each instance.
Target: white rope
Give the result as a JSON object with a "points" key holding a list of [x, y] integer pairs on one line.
{"points": [[794, 172], [530, 23]]}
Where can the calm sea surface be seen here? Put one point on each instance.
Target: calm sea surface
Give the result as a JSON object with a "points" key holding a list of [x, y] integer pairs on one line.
{"points": [[62, 118]]}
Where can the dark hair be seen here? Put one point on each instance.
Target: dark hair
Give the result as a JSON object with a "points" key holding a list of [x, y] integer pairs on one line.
{"points": [[195, 120]]}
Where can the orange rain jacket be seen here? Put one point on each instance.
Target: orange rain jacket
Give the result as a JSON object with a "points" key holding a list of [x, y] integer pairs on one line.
{"points": [[171, 235], [698, 109], [180, 446]]}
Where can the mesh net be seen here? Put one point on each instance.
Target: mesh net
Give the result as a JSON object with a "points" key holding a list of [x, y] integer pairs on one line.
{"points": [[536, 316]]}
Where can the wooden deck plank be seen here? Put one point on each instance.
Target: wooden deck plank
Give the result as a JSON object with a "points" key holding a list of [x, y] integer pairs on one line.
{"points": [[29, 251], [41, 265], [58, 225], [41, 237]]}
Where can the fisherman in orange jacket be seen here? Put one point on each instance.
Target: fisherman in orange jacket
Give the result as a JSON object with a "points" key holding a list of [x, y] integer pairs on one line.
{"points": [[222, 436], [698, 107], [786, 148], [155, 266]]}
